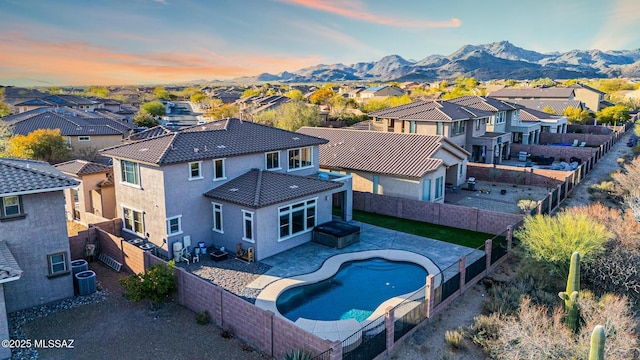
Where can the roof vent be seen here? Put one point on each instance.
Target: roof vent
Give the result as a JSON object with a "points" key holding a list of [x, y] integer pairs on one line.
{"points": [[196, 150], [293, 186], [296, 138], [233, 189], [143, 149], [221, 146]]}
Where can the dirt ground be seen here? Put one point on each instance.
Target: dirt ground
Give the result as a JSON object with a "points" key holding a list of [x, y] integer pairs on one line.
{"points": [[428, 342], [119, 329]]}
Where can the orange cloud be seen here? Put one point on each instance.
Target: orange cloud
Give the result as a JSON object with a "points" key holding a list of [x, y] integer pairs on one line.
{"points": [[78, 63], [356, 10]]}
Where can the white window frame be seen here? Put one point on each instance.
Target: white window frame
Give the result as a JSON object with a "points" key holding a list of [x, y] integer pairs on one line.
{"points": [[191, 177], [124, 220], [289, 210], [125, 181], [5, 206], [266, 160], [299, 161], [84, 138], [179, 218], [247, 216], [215, 174], [217, 208], [51, 264]]}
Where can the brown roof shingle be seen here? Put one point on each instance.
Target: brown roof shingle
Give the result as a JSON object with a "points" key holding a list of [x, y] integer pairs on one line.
{"points": [[259, 188], [397, 154], [82, 167], [213, 140]]}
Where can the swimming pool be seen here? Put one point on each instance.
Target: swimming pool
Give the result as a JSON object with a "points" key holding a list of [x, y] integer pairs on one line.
{"points": [[354, 292]]}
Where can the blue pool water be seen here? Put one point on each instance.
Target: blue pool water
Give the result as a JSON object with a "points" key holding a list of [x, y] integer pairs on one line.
{"points": [[354, 292]]}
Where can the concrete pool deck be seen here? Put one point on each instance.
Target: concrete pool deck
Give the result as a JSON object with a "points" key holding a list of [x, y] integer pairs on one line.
{"points": [[299, 264]]}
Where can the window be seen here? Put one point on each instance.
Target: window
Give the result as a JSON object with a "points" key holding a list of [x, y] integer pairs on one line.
{"points": [[217, 218], [273, 160], [439, 126], [133, 221], [195, 170], [297, 218], [130, 172], [439, 183], [376, 181], [299, 158], [426, 190], [84, 138], [76, 197], [218, 169], [457, 128], [478, 123], [11, 207], [57, 264], [412, 127], [174, 225], [500, 117], [247, 217]]}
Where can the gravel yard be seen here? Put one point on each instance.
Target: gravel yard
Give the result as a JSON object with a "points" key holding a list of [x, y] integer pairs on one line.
{"points": [[111, 327]]}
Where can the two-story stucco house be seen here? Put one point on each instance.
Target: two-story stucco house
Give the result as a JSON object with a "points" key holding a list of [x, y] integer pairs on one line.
{"points": [[34, 229], [412, 166], [462, 125], [94, 200], [223, 183], [505, 118]]}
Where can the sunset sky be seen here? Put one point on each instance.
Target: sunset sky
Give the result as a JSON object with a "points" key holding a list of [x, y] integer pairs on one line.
{"points": [[101, 42]]}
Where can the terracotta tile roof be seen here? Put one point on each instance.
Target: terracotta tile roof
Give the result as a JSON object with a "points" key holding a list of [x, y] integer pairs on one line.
{"points": [[19, 176], [212, 140], [557, 105], [259, 188], [484, 103], [434, 110], [151, 133], [527, 114], [396, 154], [533, 93], [82, 167], [69, 124], [9, 268]]}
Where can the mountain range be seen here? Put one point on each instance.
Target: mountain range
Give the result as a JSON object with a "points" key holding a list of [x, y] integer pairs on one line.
{"points": [[498, 60]]}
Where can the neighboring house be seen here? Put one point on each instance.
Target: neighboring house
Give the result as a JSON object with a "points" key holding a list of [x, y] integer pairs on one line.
{"points": [[84, 134], [557, 106], [463, 126], [548, 123], [107, 104], [593, 99], [223, 183], [94, 200], [151, 133], [380, 92], [70, 101], [405, 165], [550, 93], [633, 95], [34, 230], [505, 118], [251, 106]]}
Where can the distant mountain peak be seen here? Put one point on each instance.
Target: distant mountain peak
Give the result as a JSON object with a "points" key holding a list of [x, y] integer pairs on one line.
{"points": [[500, 59]]}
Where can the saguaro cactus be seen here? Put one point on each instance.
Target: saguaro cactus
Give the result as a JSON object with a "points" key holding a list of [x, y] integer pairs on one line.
{"points": [[570, 296], [597, 343]]}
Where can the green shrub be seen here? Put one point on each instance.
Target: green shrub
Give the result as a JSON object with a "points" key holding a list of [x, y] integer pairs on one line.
{"points": [[454, 338], [526, 205], [297, 355], [485, 330], [550, 240], [203, 318], [156, 284]]}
